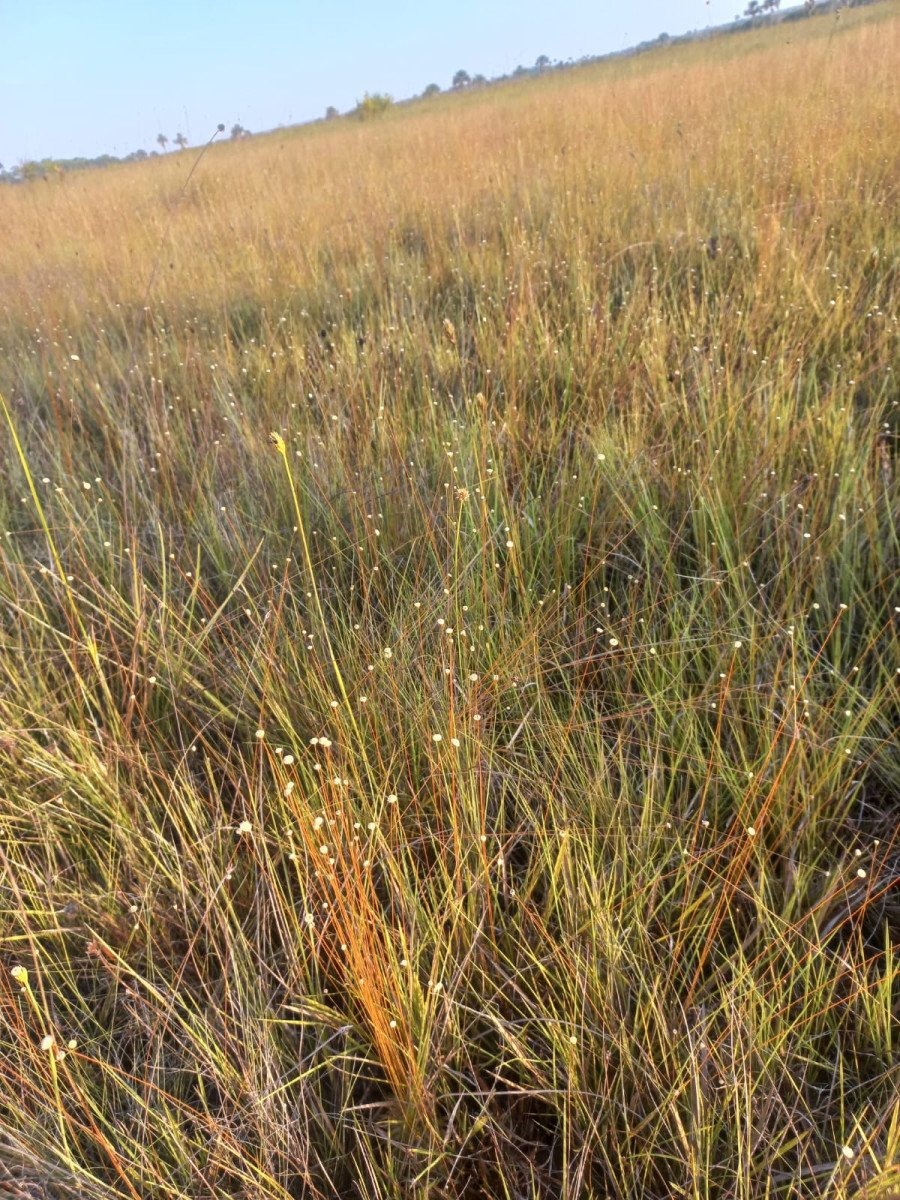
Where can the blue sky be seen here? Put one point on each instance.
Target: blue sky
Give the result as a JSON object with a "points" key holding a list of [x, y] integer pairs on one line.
{"points": [[95, 76]]}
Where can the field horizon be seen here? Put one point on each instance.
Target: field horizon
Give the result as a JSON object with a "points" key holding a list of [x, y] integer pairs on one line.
{"points": [[449, 646]]}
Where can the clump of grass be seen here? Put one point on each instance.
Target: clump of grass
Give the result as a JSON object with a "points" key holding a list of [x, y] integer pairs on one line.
{"points": [[485, 785]]}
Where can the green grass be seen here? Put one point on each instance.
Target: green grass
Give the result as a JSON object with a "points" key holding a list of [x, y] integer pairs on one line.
{"points": [[488, 786]]}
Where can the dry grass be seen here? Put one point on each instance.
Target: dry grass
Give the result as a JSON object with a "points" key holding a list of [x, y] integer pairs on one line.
{"points": [[490, 787]]}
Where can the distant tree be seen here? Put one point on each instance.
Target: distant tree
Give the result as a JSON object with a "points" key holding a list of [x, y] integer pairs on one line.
{"points": [[756, 9], [372, 105], [181, 141], [520, 71], [541, 63], [479, 80], [432, 90], [162, 141], [331, 112], [238, 132], [461, 79]]}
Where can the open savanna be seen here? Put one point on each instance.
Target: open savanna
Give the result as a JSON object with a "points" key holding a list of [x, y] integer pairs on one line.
{"points": [[487, 786]]}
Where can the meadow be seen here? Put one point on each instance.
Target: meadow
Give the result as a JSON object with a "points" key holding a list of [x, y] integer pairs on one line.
{"points": [[449, 646]]}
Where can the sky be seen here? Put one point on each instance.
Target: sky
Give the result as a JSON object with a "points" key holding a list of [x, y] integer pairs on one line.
{"points": [[89, 77]]}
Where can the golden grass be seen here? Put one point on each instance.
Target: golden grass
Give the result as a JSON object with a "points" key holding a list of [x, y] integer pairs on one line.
{"points": [[679, 145]]}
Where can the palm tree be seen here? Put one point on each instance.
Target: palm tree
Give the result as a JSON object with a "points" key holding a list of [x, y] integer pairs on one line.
{"points": [[181, 141], [162, 140]]}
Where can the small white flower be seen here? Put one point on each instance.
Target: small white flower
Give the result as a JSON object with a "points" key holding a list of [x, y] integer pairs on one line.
{"points": [[245, 827], [388, 652], [437, 737], [48, 1042], [260, 733]]}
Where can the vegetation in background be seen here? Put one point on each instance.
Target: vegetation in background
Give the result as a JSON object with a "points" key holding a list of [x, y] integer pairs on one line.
{"points": [[767, 11], [372, 105], [449, 646]]}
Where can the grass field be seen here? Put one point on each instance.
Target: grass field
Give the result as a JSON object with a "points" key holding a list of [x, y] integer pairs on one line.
{"points": [[486, 786]]}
